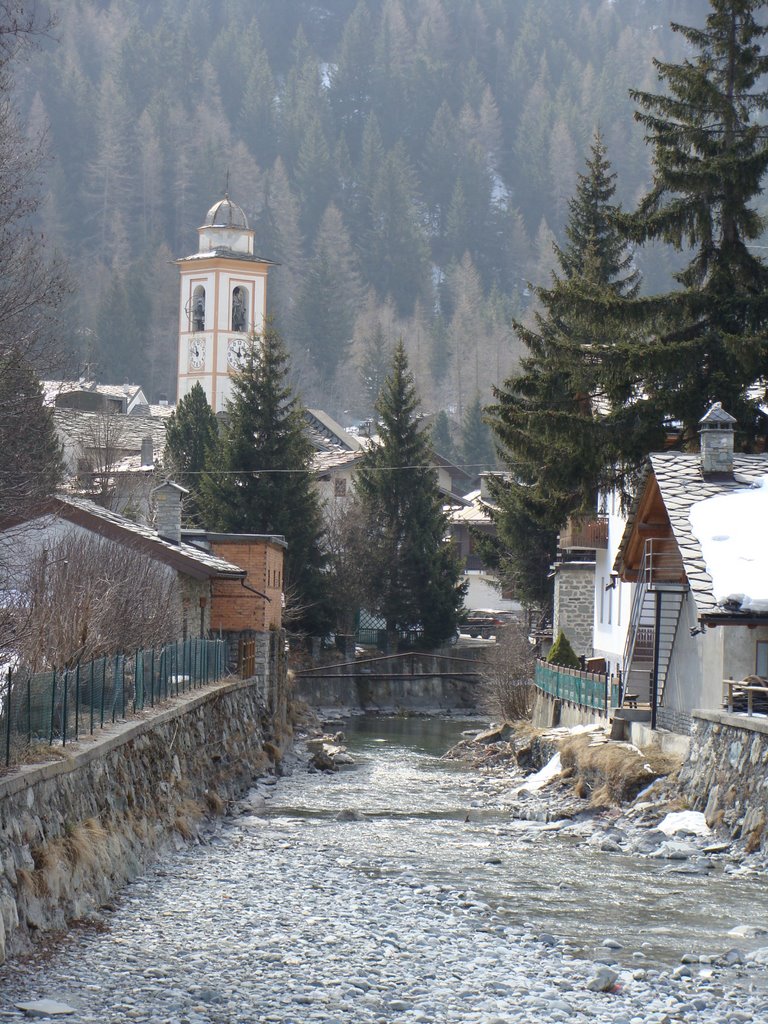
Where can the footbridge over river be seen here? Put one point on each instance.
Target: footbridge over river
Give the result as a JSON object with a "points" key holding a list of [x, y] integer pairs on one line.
{"points": [[413, 681]]}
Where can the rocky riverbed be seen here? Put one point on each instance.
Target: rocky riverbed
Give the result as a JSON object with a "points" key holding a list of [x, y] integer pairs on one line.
{"points": [[406, 888]]}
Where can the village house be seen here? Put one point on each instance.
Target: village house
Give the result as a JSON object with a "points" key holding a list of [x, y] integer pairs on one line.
{"points": [[671, 600], [226, 584], [696, 549]]}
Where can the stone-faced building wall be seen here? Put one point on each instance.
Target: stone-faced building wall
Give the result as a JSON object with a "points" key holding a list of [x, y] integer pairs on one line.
{"points": [[237, 608], [574, 605], [726, 774]]}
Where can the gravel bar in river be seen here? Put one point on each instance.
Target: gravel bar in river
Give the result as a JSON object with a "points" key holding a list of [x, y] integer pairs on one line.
{"points": [[367, 896]]}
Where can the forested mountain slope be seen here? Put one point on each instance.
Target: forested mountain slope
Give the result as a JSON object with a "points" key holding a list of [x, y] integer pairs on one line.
{"points": [[407, 162]]}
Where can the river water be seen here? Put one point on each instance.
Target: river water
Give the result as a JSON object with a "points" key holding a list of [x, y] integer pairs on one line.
{"points": [[400, 890]]}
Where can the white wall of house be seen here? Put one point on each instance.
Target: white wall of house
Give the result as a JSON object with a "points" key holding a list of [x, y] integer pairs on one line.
{"points": [[684, 687], [701, 663], [484, 592], [613, 607]]}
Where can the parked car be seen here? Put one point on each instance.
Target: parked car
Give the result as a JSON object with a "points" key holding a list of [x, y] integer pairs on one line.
{"points": [[484, 623]]}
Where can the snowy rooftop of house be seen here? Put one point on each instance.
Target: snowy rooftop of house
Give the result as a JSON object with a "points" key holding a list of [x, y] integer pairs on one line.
{"points": [[326, 427], [683, 487], [334, 458], [86, 430], [473, 513], [53, 388], [731, 529]]}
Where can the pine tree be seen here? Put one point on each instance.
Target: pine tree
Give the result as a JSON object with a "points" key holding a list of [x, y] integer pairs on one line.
{"points": [[191, 432], [375, 362], [476, 441], [557, 451], [328, 299], [710, 156], [258, 477], [442, 437], [413, 572]]}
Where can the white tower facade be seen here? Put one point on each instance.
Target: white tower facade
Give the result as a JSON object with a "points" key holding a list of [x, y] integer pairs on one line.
{"points": [[223, 303]]}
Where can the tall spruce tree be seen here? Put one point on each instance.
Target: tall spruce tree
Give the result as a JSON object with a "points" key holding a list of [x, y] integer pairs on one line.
{"points": [[258, 478], [412, 570], [555, 446], [476, 440], [191, 432], [710, 154]]}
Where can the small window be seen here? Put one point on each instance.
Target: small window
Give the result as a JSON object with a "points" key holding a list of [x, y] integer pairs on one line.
{"points": [[198, 308], [618, 603], [340, 487], [762, 659], [602, 598], [239, 309], [609, 596]]}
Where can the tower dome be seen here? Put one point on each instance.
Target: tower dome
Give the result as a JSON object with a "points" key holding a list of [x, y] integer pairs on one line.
{"points": [[226, 227], [226, 214]]}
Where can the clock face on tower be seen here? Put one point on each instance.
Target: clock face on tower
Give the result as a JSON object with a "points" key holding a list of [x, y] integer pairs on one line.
{"points": [[196, 353], [236, 352]]}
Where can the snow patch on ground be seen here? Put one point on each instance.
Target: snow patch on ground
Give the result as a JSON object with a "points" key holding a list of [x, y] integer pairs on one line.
{"points": [[691, 822], [545, 775], [734, 541]]}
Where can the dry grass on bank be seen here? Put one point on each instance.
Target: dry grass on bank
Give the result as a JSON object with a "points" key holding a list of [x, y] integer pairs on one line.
{"points": [[611, 772]]}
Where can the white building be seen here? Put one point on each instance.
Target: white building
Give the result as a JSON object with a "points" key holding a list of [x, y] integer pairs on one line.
{"points": [[223, 303]]}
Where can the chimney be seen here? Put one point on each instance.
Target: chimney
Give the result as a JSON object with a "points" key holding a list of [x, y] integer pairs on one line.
{"points": [[163, 400], [168, 498], [716, 435], [147, 452]]}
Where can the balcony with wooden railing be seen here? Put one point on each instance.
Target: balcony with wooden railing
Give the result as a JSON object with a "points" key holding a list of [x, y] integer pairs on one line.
{"points": [[589, 533]]}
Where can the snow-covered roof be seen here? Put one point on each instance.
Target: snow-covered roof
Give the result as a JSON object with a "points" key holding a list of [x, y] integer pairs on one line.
{"points": [[683, 485], [473, 513], [731, 529], [336, 458], [131, 394]]}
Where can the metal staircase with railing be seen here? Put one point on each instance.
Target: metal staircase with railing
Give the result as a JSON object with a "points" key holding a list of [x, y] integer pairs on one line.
{"points": [[656, 606]]}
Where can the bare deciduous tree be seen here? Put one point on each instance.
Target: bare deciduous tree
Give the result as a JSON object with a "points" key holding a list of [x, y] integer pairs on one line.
{"points": [[83, 597], [100, 450], [508, 674]]}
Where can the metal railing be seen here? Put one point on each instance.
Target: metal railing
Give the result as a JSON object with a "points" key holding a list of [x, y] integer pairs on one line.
{"points": [[661, 564], [594, 690], [45, 708]]}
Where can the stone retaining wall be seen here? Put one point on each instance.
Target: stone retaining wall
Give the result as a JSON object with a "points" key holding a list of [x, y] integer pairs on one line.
{"points": [[74, 831], [726, 775], [550, 712]]}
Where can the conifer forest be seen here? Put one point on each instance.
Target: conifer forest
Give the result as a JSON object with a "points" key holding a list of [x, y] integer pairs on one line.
{"points": [[407, 163]]}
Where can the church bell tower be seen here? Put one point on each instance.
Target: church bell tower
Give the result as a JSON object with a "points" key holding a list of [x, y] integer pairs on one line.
{"points": [[223, 303]]}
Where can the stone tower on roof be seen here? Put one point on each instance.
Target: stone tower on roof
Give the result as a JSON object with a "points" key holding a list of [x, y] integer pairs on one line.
{"points": [[222, 305]]}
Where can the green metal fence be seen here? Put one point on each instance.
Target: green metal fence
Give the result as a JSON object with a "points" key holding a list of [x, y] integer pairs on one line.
{"points": [[588, 689], [60, 706]]}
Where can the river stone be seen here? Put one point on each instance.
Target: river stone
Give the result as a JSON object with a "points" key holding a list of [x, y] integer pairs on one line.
{"points": [[603, 980], [748, 931], [45, 1008]]}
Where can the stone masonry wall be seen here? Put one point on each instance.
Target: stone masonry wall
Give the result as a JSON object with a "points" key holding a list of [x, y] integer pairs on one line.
{"points": [[74, 831], [726, 774], [574, 604], [674, 721]]}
